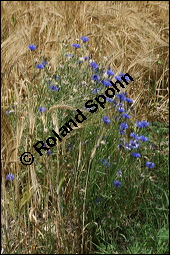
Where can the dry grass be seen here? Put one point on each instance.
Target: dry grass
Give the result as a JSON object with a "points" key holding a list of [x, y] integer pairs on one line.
{"points": [[133, 35]]}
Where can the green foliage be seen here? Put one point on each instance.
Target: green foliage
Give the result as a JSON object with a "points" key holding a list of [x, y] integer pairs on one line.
{"points": [[132, 218]]}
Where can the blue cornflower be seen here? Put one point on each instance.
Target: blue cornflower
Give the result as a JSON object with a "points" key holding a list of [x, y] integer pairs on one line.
{"points": [[136, 154], [110, 72], [86, 142], [10, 177], [106, 83], [135, 136], [86, 58], [45, 145], [49, 152], [106, 120], [126, 77], [142, 124], [40, 66], [121, 97], [9, 111], [125, 115], [122, 131], [84, 39], [127, 146], [44, 63], [119, 173], [105, 162], [121, 74], [134, 144], [120, 109], [55, 88], [88, 109], [129, 100], [94, 65], [69, 55], [123, 126], [32, 47], [120, 105], [150, 164], [41, 109], [95, 90], [76, 45], [118, 78], [111, 100], [117, 183], [143, 138], [95, 77]]}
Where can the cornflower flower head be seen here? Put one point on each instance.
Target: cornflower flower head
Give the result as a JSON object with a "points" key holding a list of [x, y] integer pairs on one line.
{"points": [[118, 78], [130, 101], [150, 164], [40, 66], [9, 111], [125, 115], [32, 47], [94, 65], [88, 109], [95, 90], [84, 39], [76, 46], [106, 120], [95, 77], [119, 173], [121, 97], [126, 77], [143, 138], [110, 72], [44, 63], [121, 74], [135, 136], [106, 83], [123, 126], [69, 55], [142, 124], [86, 58], [136, 154], [49, 152], [122, 131], [108, 99], [55, 88], [41, 109], [105, 163], [120, 109], [10, 177], [127, 146], [134, 144], [117, 183]]}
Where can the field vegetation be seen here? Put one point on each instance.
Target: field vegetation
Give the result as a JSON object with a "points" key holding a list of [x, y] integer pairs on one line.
{"points": [[104, 187]]}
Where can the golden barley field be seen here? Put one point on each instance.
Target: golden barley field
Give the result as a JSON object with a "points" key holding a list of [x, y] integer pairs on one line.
{"points": [[131, 35]]}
